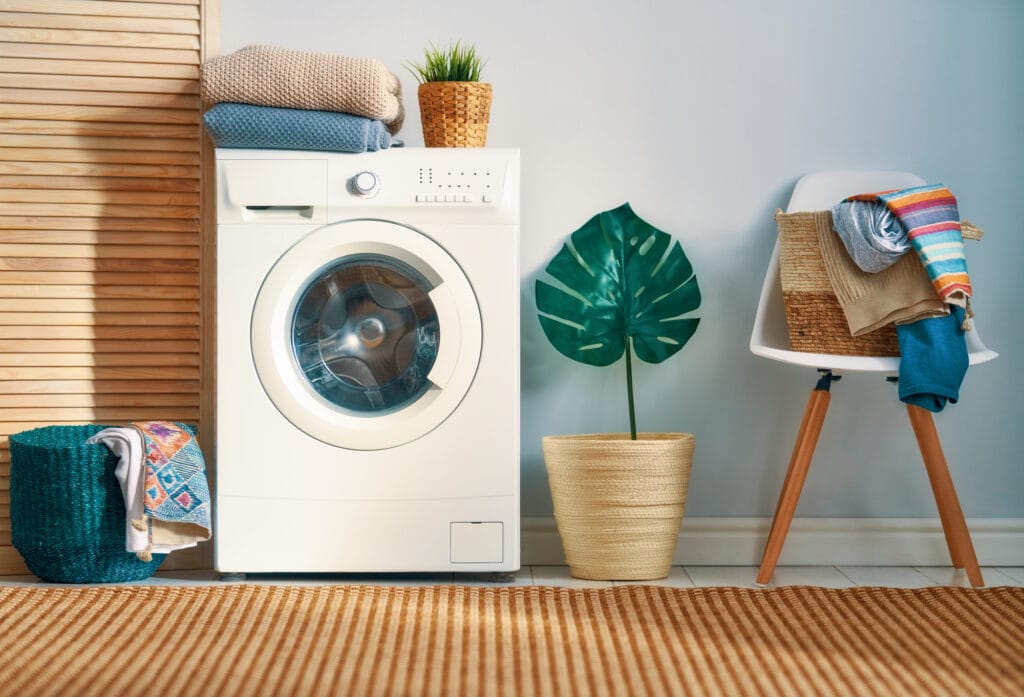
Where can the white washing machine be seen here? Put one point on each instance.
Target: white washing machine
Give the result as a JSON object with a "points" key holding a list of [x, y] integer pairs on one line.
{"points": [[367, 361]]}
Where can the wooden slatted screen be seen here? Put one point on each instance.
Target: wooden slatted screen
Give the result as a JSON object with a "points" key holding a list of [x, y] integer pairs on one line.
{"points": [[105, 244]]}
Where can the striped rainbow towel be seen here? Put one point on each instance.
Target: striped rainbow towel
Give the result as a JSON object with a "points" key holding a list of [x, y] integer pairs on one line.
{"points": [[930, 215]]}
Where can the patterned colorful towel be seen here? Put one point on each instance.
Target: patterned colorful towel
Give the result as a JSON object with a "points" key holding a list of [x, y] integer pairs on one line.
{"points": [[933, 222], [176, 496], [273, 76], [234, 125]]}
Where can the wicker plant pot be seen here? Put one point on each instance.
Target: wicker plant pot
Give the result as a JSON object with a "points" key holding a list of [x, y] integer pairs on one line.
{"points": [[455, 114], [619, 502]]}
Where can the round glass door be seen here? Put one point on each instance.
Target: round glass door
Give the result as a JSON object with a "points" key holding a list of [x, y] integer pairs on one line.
{"points": [[365, 333]]}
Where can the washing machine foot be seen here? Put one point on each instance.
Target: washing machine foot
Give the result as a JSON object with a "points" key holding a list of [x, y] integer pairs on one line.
{"points": [[232, 576], [501, 577]]}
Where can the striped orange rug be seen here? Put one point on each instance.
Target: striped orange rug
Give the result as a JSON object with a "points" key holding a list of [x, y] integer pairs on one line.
{"points": [[451, 641]]}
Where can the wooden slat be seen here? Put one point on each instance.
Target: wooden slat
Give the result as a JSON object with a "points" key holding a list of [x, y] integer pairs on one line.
{"points": [[22, 181], [97, 305], [93, 23], [74, 241], [127, 54], [89, 319], [99, 156], [88, 83], [176, 2], [50, 66], [79, 37], [96, 360], [126, 114], [144, 331], [99, 387], [101, 414], [101, 373], [100, 143], [104, 8], [83, 210], [102, 237], [49, 401], [21, 222], [98, 251], [129, 279], [83, 291], [85, 169], [96, 347], [140, 131], [137, 198], [132, 265], [100, 99]]}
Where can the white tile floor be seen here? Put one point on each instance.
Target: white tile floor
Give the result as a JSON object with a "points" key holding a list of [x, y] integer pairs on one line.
{"points": [[679, 577]]}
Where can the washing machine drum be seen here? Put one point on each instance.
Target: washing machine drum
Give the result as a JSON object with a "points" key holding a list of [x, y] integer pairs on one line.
{"points": [[366, 334]]}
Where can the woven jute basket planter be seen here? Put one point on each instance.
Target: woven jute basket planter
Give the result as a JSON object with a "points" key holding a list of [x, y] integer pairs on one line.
{"points": [[618, 502], [814, 317], [455, 114]]}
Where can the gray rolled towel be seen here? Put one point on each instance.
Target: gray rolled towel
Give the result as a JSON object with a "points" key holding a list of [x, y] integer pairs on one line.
{"points": [[873, 236], [285, 77]]}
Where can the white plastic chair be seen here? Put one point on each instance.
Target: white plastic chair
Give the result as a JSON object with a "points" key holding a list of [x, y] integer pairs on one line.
{"points": [[770, 339]]}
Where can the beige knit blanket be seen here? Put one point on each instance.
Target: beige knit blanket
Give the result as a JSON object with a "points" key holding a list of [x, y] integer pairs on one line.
{"points": [[284, 77], [901, 293]]}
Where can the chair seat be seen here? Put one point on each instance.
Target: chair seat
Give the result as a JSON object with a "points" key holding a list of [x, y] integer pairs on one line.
{"points": [[770, 337]]}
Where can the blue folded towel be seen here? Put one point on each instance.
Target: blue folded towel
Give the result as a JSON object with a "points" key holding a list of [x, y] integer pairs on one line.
{"points": [[934, 360], [232, 125]]}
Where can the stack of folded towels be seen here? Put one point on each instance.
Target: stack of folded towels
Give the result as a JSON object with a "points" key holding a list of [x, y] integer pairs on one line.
{"points": [[279, 98]]}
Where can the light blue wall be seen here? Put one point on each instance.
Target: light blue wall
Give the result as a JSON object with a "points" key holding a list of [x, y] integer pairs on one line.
{"points": [[703, 115]]}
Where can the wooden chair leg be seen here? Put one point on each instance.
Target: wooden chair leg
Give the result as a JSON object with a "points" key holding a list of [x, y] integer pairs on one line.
{"points": [[958, 537], [800, 436], [796, 475]]}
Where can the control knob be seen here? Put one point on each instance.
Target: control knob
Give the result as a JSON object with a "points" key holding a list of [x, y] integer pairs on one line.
{"points": [[365, 183]]}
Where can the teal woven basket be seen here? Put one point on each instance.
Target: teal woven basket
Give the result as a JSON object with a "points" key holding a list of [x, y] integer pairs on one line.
{"points": [[67, 511]]}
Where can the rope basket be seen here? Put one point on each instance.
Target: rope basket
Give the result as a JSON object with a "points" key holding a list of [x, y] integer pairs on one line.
{"points": [[67, 510], [619, 502], [455, 114], [814, 316], [815, 319]]}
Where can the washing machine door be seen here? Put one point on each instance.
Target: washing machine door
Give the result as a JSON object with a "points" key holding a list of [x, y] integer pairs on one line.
{"points": [[366, 334]]}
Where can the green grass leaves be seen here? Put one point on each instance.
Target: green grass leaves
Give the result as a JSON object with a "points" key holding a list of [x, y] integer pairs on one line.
{"points": [[457, 63]]}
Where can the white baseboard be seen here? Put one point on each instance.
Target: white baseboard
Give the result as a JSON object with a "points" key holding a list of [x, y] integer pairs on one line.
{"points": [[813, 542]]}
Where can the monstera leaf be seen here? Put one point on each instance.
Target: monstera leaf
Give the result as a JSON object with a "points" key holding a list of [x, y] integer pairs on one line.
{"points": [[623, 281]]}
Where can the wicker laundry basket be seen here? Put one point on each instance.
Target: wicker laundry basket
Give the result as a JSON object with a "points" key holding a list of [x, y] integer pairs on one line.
{"points": [[67, 511], [455, 114], [618, 502], [814, 317]]}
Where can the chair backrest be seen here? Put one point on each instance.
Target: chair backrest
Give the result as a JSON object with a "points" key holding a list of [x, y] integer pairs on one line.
{"points": [[820, 191]]}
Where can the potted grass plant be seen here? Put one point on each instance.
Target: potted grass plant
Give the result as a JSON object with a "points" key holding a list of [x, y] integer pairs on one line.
{"points": [[618, 287], [455, 107]]}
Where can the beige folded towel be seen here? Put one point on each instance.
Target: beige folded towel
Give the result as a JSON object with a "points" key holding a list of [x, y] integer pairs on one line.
{"points": [[901, 293], [284, 77]]}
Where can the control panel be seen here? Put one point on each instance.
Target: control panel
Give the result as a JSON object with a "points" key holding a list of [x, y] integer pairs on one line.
{"points": [[477, 184]]}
